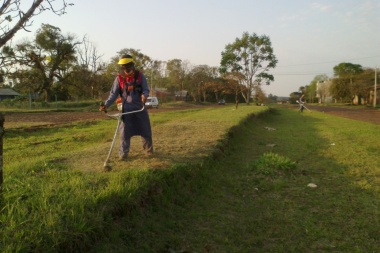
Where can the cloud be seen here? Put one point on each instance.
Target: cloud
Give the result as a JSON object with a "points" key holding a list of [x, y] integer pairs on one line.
{"points": [[349, 14], [290, 18], [361, 17], [321, 7], [369, 6]]}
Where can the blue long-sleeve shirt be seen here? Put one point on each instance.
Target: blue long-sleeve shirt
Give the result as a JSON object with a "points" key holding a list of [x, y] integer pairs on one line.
{"points": [[136, 103]]}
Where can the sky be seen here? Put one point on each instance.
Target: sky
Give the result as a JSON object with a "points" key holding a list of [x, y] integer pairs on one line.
{"points": [[309, 38]]}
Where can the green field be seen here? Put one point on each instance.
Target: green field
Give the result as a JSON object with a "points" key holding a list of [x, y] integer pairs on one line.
{"points": [[220, 181]]}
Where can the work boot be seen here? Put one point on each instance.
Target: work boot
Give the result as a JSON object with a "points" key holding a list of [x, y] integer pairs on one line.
{"points": [[123, 157]]}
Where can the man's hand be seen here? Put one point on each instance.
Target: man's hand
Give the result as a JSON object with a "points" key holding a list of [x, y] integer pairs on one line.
{"points": [[102, 108], [143, 98]]}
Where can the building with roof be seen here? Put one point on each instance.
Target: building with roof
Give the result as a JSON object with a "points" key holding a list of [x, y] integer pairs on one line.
{"points": [[6, 93]]}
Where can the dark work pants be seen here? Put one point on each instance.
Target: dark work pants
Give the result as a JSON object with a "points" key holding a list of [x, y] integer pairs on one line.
{"points": [[135, 125]]}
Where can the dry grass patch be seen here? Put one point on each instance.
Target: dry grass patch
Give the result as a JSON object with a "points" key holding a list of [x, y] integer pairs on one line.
{"points": [[185, 139]]}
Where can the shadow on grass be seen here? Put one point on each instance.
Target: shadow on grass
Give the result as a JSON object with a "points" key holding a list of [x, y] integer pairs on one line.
{"points": [[221, 204], [237, 209]]}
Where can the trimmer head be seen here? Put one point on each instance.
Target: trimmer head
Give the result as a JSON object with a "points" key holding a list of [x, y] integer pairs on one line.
{"points": [[107, 167]]}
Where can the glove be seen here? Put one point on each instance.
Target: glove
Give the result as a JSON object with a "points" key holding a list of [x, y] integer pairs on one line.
{"points": [[102, 107]]}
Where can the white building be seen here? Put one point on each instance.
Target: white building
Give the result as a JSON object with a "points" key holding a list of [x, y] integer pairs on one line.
{"points": [[323, 92]]}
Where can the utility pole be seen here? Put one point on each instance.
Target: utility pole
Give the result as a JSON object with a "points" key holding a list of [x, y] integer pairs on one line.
{"points": [[375, 91]]}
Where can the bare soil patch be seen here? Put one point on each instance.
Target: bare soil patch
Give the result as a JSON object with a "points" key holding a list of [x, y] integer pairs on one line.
{"points": [[14, 120], [56, 118], [370, 115]]}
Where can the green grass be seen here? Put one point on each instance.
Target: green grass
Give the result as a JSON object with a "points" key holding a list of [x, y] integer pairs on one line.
{"points": [[220, 181], [56, 198], [256, 198]]}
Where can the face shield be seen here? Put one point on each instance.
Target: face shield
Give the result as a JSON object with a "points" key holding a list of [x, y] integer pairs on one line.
{"points": [[127, 65], [127, 69]]}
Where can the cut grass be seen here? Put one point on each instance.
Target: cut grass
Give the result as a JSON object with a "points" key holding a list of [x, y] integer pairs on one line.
{"points": [[257, 199], [55, 199], [252, 198]]}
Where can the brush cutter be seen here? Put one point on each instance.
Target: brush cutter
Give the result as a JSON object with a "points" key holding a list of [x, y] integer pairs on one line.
{"points": [[118, 116], [303, 105]]}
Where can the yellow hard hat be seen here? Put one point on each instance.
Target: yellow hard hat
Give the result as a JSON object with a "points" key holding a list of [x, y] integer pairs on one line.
{"points": [[125, 59]]}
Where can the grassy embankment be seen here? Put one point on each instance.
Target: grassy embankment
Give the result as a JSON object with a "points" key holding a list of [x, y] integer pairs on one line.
{"points": [[254, 197], [258, 197], [55, 197]]}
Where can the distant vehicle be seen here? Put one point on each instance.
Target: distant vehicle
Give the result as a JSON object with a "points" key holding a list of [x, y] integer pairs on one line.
{"points": [[222, 102], [151, 102]]}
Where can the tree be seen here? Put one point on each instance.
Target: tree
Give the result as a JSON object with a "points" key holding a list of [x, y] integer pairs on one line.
{"points": [[272, 98], [294, 96], [252, 56], [200, 77], [161, 74], [50, 58], [178, 71], [217, 86], [344, 70], [13, 17], [89, 60], [340, 90], [364, 83], [214, 83], [234, 80], [142, 61], [260, 97], [344, 86], [154, 72]]}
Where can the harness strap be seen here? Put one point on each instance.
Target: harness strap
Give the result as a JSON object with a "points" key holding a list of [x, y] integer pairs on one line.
{"points": [[123, 81]]}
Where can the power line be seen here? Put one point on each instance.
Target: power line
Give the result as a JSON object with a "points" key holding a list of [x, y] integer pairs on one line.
{"points": [[316, 63]]}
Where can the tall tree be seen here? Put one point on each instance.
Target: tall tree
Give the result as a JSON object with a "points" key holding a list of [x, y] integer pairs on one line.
{"points": [[234, 81], [344, 86], [142, 61], [260, 96], [199, 79], [252, 56], [345, 69], [153, 72], [14, 17], [91, 62], [364, 84], [217, 86], [341, 90], [294, 96], [216, 83], [178, 71], [51, 57]]}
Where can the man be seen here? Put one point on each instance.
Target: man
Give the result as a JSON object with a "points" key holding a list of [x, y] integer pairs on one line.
{"points": [[301, 103], [132, 87]]}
